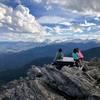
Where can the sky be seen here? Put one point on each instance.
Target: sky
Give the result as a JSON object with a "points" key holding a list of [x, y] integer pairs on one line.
{"points": [[49, 20]]}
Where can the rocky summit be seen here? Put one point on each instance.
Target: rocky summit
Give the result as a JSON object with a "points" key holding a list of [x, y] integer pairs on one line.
{"points": [[49, 83]]}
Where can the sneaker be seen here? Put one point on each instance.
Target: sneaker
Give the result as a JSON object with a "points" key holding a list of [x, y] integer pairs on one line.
{"points": [[80, 68]]}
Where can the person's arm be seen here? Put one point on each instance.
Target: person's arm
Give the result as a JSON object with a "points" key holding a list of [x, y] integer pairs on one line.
{"points": [[55, 57], [62, 55], [73, 55]]}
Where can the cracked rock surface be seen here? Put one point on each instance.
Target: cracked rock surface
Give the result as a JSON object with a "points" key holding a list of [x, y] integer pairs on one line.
{"points": [[48, 83]]}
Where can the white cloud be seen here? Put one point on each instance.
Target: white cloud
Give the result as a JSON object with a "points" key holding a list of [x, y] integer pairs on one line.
{"points": [[57, 30], [22, 26], [21, 37], [18, 1], [88, 37], [1, 24], [73, 32], [75, 29], [54, 20], [50, 19], [74, 37], [87, 7], [96, 18], [20, 21], [66, 23], [89, 28], [37, 1], [49, 7], [90, 12], [87, 24]]}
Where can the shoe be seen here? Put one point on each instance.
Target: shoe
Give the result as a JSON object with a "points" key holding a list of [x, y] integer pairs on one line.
{"points": [[80, 68]]}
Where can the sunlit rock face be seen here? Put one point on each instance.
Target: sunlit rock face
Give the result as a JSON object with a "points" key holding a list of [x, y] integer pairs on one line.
{"points": [[48, 83]]}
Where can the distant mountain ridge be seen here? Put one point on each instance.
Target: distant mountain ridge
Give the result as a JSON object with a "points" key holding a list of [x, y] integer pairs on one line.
{"points": [[13, 47], [13, 60], [91, 53], [15, 73]]}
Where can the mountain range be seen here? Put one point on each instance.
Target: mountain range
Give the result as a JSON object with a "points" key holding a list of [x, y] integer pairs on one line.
{"points": [[17, 59], [13, 65], [92, 53], [14, 47]]}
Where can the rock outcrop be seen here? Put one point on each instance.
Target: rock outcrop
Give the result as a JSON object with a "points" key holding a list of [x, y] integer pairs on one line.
{"points": [[48, 83]]}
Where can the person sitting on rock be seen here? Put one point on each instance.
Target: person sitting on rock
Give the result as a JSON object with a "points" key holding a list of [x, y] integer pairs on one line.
{"points": [[59, 55], [75, 57], [80, 56]]}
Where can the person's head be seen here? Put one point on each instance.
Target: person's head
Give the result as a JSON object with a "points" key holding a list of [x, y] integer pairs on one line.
{"points": [[60, 50], [75, 50]]}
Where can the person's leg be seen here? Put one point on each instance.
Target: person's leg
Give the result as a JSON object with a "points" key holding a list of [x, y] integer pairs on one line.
{"points": [[80, 62], [59, 66], [76, 62], [71, 64]]}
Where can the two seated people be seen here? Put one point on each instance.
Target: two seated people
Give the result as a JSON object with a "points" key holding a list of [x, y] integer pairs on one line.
{"points": [[75, 60]]}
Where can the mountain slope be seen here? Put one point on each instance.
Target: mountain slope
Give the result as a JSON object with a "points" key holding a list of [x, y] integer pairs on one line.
{"points": [[92, 53], [12, 74]]}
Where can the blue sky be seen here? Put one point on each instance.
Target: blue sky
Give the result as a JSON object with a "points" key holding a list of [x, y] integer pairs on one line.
{"points": [[49, 20]]}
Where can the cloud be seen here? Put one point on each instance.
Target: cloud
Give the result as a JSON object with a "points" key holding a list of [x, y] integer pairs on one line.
{"points": [[38, 1], [21, 37], [19, 25], [69, 32], [89, 28], [19, 21], [66, 23], [87, 24], [96, 18], [76, 29], [84, 28], [74, 37], [18, 1], [50, 19], [88, 7]]}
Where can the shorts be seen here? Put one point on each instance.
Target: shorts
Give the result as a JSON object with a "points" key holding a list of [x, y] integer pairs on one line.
{"points": [[80, 59], [76, 60]]}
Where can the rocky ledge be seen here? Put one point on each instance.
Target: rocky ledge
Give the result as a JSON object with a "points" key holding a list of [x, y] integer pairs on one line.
{"points": [[48, 83]]}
